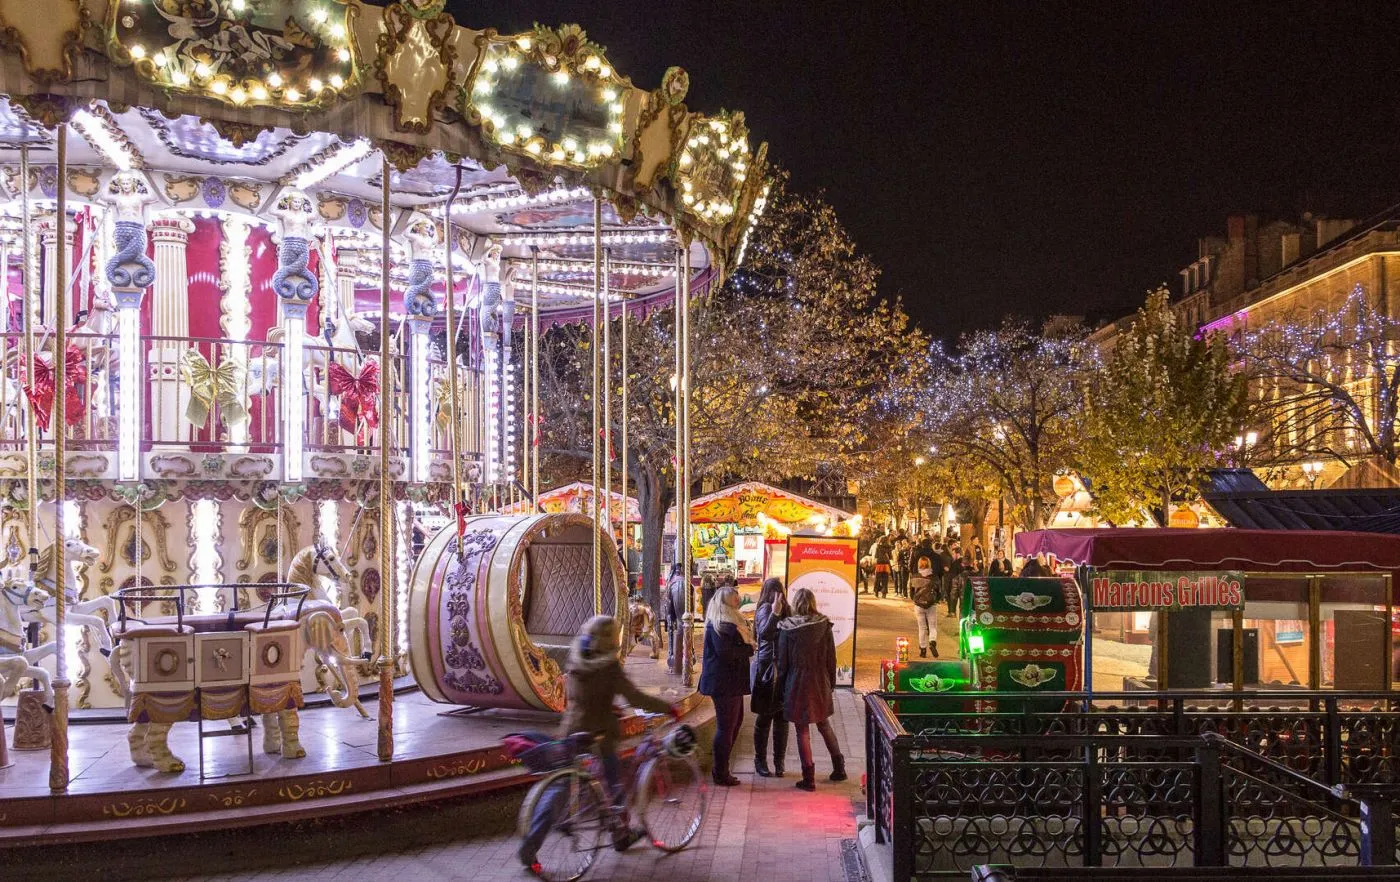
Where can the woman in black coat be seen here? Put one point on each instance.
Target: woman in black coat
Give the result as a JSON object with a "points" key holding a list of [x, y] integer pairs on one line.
{"points": [[767, 703], [724, 676], [807, 670]]}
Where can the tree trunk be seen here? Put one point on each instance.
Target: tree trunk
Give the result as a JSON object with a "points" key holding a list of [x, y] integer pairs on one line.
{"points": [[653, 496]]}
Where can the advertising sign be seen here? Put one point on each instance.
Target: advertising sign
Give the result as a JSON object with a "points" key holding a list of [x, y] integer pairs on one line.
{"points": [[1144, 590], [826, 566]]}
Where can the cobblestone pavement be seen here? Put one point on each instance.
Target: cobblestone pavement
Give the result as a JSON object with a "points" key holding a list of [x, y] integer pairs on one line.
{"points": [[763, 829]]}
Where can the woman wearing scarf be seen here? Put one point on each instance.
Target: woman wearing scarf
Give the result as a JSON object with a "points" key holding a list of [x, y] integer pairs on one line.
{"points": [[724, 675], [807, 672]]}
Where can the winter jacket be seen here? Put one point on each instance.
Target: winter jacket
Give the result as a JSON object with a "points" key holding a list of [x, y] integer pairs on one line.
{"points": [[593, 682], [765, 626], [724, 672], [675, 601], [923, 590], [882, 552], [806, 668]]}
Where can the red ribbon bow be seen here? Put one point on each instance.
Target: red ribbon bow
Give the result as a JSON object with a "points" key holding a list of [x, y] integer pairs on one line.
{"points": [[41, 391], [359, 410]]}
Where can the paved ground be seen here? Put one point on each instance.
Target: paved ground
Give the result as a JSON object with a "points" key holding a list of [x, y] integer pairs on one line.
{"points": [[879, 621], [764, 829]]}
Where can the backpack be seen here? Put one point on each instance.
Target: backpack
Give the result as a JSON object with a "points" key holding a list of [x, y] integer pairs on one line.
{"points": [[922, 591]]}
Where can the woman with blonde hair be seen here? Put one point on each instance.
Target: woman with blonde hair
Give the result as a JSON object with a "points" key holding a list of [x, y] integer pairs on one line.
{"points": [[807, 674], [724, 674]]}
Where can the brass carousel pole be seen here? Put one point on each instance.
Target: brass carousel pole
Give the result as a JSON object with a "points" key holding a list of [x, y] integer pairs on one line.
{"points": [[683, 631], [534, 390], [30, 307], [607, 399], [684, 511], [454, 397], [58, 756], [386, 497], [593, 476], [622, 481]]}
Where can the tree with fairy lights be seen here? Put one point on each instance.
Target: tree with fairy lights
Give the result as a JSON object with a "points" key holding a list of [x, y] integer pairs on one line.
{"points": [[1010, 400], [1158, 413], [798, 367], [1325, 383]]}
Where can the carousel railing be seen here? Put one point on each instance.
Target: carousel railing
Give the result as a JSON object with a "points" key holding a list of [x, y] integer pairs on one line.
{"points": [[175, 600], [238, 388]]}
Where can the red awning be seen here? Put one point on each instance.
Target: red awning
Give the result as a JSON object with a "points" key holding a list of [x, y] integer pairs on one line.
{"points": [[1286, 551]]}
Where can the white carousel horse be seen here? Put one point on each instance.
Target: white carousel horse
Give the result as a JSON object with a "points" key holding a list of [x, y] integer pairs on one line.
{"points": [[16, 662], [96, 615], [641, 620], [304, 570]]}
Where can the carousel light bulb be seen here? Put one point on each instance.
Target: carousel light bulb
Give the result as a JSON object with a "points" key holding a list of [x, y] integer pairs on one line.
{"points": [[259, 92], [138, 52], [561, 77], [571, 145], [337, 81], [615, 127], [318, 16], [238, 96], [218, 87], [343, 54], [534, 147], [605, 72], [315, 85], [202, 70], [338, 31], [490, 66], [179, 77], [592, 62], [686, 159], [510, 62], [292, 95], [236, 5], [274, 80], [161, 59], [609, 95], [524, 44]]}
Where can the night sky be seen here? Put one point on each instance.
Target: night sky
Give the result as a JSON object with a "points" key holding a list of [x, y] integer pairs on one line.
{"points": [[1032, 157]]}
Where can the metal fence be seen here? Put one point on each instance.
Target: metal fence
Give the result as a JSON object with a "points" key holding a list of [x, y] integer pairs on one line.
{"points": [[1027, 789]]}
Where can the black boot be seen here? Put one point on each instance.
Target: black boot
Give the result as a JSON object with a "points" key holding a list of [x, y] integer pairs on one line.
{"points": [[838, 768], [760, 751], [809, 779], [933, 648], [923, 652], [780, 734]]}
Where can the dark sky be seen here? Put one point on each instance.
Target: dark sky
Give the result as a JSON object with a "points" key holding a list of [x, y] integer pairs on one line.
{"points": [[1036, 156]]}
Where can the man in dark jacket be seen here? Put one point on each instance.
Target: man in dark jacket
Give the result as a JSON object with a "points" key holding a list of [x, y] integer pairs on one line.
{"points": [[807, 672]]}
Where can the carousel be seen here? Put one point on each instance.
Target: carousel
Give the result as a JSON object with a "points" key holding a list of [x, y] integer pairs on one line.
{"points": [[275, 276]]}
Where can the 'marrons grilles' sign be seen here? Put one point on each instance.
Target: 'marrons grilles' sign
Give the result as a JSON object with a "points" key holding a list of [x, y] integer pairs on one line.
{"points": [[1116, 589]]}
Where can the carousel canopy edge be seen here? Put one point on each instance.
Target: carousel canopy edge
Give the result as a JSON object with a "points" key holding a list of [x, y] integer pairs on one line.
{"points": [[545, 104]]}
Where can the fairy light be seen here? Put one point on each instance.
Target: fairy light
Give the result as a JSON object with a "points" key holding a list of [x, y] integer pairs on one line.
{"points": [[333, 162], [611, 238], [103, 138]]}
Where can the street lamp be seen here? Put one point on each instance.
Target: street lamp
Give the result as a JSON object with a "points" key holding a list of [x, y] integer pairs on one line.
{"points": [[918, 499], [1312, 471], [1242, 445]]}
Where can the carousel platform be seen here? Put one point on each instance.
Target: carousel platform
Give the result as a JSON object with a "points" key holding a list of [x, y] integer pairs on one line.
{"points": [[439, 753]]}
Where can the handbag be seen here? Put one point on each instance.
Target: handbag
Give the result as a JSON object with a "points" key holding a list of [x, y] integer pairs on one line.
{"points": [[765, 698]]}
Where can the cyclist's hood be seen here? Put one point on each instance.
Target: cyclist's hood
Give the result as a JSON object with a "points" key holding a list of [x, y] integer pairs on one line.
{"points": [[596, 645]]}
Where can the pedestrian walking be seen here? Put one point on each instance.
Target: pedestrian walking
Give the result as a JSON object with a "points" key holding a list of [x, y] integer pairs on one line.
{"points": [[900, 565], [807, 672], [882, 552], [956, 576], [724, 675], [675, 616], [767, 699], [707, 591], [923, 591]]}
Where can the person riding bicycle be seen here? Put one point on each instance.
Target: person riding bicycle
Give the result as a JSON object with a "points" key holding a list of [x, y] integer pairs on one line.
{"points": [[594, 681]]}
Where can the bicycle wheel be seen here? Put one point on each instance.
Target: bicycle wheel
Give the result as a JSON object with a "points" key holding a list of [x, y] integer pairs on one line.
{"points": [[571, 803], [671, 798]]}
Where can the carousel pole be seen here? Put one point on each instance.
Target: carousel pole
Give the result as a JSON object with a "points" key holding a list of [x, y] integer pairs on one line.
{"points": [[622, 481], [683, 634], [58, 756], [534, 390], [607, 399], [454, 405], [29, 308], [387, 566], [593, 476], [684, 512]]}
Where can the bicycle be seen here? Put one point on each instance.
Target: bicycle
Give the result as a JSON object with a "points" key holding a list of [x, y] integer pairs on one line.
{"points": [[663, 788]]}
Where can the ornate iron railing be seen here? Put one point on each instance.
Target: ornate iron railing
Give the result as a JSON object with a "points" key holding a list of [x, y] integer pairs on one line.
{"points": [[1025, 790]]}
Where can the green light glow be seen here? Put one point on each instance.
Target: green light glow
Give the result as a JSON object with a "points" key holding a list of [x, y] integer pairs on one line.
{"points": [[975, 643]]}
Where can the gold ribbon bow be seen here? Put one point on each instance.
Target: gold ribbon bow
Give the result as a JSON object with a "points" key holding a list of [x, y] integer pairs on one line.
{"points": [[213, 385]]}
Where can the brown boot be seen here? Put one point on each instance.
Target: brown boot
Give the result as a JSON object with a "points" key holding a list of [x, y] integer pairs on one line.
{"points": [[838, 768]]}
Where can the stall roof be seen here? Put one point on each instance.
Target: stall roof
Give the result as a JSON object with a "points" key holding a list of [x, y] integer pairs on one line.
{"points": [[572, 498], [747, 500], [1243, 500], [1256, 550]]}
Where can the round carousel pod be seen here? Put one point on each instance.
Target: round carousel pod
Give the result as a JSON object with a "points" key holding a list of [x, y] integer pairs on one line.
{"points": [[490, 623]]}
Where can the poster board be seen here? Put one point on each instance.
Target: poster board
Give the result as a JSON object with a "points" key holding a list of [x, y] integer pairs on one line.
{"points": [[826, 565]]}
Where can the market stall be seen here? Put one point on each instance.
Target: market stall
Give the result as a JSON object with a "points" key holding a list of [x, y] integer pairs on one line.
{"points": [[742, 530], [1235, 608]]}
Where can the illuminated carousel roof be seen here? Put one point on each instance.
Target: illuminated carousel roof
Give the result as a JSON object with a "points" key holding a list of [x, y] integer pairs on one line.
{"points": [[223, 105]]}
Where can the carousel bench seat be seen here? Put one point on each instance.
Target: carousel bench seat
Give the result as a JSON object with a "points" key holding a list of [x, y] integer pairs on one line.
{"points": [[209, 623], [134, 629]]}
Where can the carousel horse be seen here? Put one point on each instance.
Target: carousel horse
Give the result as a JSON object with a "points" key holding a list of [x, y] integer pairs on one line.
{"points": [[20, 600], [304, 570], [641, 620], [97, 614]]}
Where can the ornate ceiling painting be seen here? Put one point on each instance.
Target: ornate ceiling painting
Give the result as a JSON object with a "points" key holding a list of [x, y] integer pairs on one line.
{"points": [[47, 35], [549, 95], [296, 54]]}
